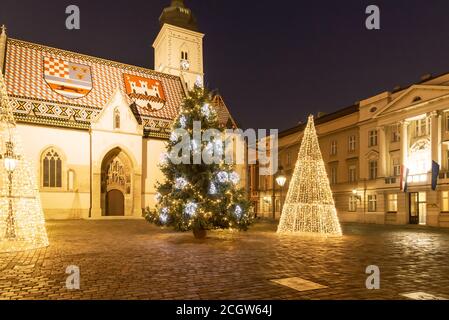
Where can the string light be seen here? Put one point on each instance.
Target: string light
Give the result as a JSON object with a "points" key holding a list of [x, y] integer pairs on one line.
{"points": [[309, 206], [22, 224]]}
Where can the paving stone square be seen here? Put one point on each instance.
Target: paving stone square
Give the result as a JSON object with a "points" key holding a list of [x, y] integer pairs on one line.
{"points": [[131, 259]]}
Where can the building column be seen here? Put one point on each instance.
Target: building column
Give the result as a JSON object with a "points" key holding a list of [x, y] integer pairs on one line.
{"points": [[435, 136], [382, 152], [404, 142]]}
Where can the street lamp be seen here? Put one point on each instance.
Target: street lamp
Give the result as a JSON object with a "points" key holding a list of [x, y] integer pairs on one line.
{"points": [[10, 163], [281, 180]]}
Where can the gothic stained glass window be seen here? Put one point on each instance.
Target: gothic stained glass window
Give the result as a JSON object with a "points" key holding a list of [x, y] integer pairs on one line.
{"points": [[52, 169]]}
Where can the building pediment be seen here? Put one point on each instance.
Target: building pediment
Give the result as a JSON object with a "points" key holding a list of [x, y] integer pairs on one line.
{"points": [[116, 115], [413, 97], [372, 155]]}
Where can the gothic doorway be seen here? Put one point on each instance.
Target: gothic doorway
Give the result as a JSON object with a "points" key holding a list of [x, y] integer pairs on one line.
{"points": [[115, 203], [116, 184]]}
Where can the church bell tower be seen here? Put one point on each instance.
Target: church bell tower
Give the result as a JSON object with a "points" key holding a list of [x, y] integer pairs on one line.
{"points": [[178, 48]]}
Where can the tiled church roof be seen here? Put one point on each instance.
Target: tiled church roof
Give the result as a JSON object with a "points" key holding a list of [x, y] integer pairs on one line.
{"points": [[24, 75]]}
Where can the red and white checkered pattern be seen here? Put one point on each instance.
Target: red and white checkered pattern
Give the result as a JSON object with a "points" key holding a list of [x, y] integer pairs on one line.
{"points": [[24, 78], [56, 67]]}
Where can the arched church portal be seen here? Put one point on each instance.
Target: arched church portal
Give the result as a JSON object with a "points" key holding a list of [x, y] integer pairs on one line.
{"points": [[116, 184]]}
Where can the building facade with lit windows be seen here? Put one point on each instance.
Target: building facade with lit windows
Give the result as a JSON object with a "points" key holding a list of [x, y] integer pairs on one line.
{"points": [[96, 129], [367, 147]]}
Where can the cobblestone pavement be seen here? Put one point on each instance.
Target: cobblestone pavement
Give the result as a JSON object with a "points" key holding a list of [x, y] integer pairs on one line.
{"points": [[130, 259]]}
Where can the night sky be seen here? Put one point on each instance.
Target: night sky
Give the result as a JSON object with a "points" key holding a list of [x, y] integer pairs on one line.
{"points": [[273, 61]]}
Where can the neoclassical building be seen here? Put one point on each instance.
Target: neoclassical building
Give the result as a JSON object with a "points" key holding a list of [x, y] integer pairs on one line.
{"points": [[367, 147], [95, 128]]}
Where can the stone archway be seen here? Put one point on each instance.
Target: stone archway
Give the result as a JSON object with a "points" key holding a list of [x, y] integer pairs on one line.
{"points": [[116, 184]]}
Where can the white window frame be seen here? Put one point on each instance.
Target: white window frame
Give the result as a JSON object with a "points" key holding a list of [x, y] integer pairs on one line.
{"points": [[333, 148], [392, 202], [372, 203], [352, 173], [373, 169], [352, 143], [353, 203], [372, 138], [334, 175]]}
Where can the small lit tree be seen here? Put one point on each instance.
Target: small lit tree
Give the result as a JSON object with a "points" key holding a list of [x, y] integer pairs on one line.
{"points": [[22, 224], [309, 206], [198, 195]]}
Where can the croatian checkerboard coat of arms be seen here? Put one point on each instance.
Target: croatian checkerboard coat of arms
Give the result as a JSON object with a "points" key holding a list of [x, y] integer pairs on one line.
{"points": [[145, 92], [69, 79]]}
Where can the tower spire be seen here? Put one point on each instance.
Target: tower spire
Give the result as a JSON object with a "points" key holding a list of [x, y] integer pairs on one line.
{"points": [[177, 14]]}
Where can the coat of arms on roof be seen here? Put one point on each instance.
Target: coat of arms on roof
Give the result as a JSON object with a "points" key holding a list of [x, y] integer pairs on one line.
{"points": [[145, 92], [69, 79]]}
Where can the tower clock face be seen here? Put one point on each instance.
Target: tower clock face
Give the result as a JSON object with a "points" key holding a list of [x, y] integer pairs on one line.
{"points": [[185, 65]]}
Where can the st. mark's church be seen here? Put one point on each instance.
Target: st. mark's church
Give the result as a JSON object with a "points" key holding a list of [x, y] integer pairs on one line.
{"points": [[96, 129]]}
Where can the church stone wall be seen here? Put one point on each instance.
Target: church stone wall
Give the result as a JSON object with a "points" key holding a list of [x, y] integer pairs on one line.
{"points": [[71, 200]]}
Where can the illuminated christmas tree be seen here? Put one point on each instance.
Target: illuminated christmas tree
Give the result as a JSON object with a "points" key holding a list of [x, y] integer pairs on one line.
{"points": [[199, 195], [22, 224], [309, 206]]}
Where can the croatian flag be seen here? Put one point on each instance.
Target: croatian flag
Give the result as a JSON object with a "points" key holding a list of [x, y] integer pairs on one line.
{"points": [[435, 173], [404, 178]]}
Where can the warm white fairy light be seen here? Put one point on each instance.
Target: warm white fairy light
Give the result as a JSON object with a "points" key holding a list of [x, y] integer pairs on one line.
{"points": [[309, 206], [22, 224]]}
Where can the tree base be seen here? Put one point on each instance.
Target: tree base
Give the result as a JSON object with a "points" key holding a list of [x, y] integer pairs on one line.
{"points": [[199, 233]]}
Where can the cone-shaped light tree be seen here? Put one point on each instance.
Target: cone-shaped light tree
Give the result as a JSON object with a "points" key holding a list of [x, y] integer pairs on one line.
{"points": [[309, 206], [22, 224]]}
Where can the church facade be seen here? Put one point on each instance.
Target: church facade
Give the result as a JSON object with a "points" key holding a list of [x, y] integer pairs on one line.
{"points": [[96, 129]]}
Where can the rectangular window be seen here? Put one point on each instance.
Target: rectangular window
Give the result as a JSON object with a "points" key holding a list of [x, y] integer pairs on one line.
{"points": [[352, 173], [422, 127], [372, 203], [351, 144], [392, 202], [372, 138], [444, 201], [447, 121], [333, 148], [395, 134], [352, 203], [396, 168], [373, 169], [334, 175]]}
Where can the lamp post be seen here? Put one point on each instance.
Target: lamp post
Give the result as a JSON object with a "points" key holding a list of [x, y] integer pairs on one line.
{"points": [[280, 180], [10, 163]]}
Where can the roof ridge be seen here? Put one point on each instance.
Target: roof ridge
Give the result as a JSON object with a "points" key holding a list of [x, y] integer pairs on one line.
{"points": [[93, 58]]}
